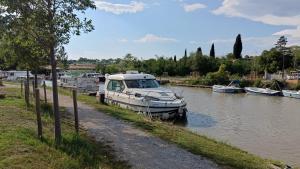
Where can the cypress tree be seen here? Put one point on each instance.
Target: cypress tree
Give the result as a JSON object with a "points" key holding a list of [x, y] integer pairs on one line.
{"points": [[212, 51], [199, 52], [175, 59], [238, 47]]}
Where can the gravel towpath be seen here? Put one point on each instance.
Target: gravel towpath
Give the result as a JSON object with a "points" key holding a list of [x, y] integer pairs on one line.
{"points": [[140, 149]]}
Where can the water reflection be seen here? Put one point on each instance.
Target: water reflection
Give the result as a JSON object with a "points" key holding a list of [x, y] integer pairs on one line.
{"points": [[201, 120]]}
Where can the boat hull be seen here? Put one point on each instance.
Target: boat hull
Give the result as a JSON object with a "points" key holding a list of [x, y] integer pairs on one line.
{"points": [[291, 94], [261, 91], [226, 89], [164, 110]]}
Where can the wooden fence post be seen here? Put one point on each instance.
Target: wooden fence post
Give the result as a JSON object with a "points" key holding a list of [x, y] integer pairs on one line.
{"points": [[22, 88], [75, 110], [38, 113], [45, 92], [26, 86]]}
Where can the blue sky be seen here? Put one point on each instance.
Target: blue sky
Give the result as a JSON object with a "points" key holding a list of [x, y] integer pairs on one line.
{"points": [[147, 28]]}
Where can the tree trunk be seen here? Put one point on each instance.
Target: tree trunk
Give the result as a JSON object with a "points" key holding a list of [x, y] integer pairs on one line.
{"points": [[45, 92], [52, 44], [55, 97], [38, 113]]}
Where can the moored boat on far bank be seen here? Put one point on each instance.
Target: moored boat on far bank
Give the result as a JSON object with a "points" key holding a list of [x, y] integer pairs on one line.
{"points": [[233, 87], [262, 91], [291, 93]]}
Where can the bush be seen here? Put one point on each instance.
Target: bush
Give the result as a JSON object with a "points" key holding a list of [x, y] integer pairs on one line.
{"points": [[297, 87], [220, 77], [258, 83], [246, 83], [293, 86]]}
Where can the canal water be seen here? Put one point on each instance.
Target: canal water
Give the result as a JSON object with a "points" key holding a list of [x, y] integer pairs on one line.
{"points": [[265, 126]]}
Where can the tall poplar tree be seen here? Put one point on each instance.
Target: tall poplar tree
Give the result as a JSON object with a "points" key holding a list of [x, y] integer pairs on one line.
{"points": [[212, 51]]}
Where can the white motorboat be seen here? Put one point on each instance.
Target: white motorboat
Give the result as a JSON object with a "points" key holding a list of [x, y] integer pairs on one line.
{"points": [[291, 93], [226, 89], [262, 91], [142, 93], [233, 87]]}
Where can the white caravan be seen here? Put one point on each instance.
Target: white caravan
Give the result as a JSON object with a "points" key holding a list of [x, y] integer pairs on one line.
{"points": [[14, 75]]}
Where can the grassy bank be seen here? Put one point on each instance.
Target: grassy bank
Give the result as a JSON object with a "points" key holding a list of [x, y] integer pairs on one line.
{"points": [[20, 147], [222, 153]]}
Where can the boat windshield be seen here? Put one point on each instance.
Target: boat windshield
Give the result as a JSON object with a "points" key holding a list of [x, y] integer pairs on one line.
{"points": [[142, 83]]}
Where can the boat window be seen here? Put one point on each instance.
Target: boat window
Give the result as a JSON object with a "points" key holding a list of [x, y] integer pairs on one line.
{"points": [[115, 85], [142, 83]]}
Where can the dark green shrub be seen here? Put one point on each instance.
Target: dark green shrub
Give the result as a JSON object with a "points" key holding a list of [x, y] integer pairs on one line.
{"points": [[258, 83]]}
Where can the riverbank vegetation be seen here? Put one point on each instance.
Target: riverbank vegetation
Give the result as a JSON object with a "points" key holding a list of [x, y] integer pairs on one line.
{"points": [[222, 153], [200, 65], [209, 70], [21, 148]]}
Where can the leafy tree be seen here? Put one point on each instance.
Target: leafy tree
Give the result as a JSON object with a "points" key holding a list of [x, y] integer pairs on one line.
{"points": [[286, 53], [212, 51], [271, 60], [238, 47], [183, 68], [50, 23], [296, 52], [62, 58], [197, 60]]}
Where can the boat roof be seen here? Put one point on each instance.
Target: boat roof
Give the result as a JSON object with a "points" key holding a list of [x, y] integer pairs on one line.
{"points": [[130, 76]]}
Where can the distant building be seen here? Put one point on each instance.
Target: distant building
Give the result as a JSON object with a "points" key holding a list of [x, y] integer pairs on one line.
{"points": [[82, 67]]}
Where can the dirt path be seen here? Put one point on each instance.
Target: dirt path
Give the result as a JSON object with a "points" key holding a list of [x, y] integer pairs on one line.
{"points": [[141, 150]]}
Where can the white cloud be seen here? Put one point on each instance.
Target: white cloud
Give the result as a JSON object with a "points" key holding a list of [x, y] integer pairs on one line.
{"points": [[277, 12], [155, 38], [193, 7], [290, 32], [132, 7]]}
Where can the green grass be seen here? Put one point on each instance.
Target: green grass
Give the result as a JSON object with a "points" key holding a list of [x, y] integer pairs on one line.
{"points": [[222, 153], [21, 148]]}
